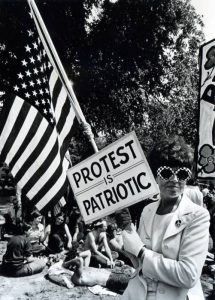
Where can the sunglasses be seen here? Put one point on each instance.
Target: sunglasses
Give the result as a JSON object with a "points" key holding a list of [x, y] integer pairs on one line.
{"points": [[166, 173]]}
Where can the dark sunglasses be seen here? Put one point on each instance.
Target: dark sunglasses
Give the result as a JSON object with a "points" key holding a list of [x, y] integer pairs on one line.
{"points": [[166, 173]]}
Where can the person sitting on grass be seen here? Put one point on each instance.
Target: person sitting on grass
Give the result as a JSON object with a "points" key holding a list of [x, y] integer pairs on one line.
{"points": [[36, 234], [116, 245], [18, 260], [96, 242], [58, 235]]}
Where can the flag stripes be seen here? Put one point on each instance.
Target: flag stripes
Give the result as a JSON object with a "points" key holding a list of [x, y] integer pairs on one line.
{"points": [[30, 146]]}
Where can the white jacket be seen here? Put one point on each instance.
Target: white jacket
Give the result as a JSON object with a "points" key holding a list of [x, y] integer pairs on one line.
{"points": [[184, 248]]}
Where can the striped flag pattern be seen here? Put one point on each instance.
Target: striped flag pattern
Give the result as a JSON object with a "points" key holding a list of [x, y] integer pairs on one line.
{"points": [[36, 126]]}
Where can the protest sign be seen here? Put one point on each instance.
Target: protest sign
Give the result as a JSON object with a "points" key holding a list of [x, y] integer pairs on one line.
{"points": [[206, 144], [111, 179]]}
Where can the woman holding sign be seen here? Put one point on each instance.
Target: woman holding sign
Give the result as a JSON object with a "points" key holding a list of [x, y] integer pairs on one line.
{"points": [[171, 245]]}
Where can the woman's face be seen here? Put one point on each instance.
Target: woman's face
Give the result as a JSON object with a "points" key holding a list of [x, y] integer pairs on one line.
{"points": [[173, 181], [59, 220], [37, 220]]}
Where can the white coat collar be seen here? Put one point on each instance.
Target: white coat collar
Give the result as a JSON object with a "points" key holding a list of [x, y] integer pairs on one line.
{"points": [[182, 214]]}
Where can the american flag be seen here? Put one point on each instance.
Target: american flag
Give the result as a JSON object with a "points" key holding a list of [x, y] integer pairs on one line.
{"points": [[36, 125]]}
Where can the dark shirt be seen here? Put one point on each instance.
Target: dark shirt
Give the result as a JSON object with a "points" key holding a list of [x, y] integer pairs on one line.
{"points": [[59, 230], [18, 249]]}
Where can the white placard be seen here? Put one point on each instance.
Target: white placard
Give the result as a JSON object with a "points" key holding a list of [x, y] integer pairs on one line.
{"points": [[111, 179]]}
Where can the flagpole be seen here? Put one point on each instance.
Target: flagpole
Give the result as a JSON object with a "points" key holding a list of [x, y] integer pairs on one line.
{"points": [[55, 60]]}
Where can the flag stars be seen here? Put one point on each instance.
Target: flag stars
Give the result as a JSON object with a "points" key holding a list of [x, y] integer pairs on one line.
{"points": [[36, 71], [43, 101], [47, 91], [45, 111], [41, 69], [24, 86], [30, 33], [32, 60], [27, 95], [39, 57], [41, 92], [28, 73], [35, 45], [38, 81], [49, 65], [24, 63], [37, 103], [20, 76], [16, 88], [34, 93], [31, 83], [27, 48]]}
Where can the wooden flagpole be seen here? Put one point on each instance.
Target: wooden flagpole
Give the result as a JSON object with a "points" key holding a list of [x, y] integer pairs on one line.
{"points": [[55, 60]]}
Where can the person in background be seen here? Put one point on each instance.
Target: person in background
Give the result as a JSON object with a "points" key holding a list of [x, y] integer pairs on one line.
{"points": [[170, 247], [18, 260], [36, 234], [76, 225], [96, 242], [210, 203], [67, 273], [115, 245], [193, 192], [58, 235], [9, 226]]}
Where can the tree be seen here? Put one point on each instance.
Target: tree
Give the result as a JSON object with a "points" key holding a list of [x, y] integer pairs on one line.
{"points": [[134, 67]]}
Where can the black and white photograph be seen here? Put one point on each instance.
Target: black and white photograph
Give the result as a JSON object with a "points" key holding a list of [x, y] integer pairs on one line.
{"points": [[107, 149]]}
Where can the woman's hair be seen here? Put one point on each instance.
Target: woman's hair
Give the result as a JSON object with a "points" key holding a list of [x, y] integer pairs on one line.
{"points": [[110, 230], [60, 214], [172, 152], [35, 214], [21, 228]]}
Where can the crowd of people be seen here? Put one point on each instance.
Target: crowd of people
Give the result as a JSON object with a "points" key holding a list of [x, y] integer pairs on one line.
{"points": [[164, 240]]}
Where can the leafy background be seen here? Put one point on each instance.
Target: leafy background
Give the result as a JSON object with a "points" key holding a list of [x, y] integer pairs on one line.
{"points": [[133, 64]]}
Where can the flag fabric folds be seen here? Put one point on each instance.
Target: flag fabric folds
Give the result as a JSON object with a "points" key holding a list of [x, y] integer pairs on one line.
{"points": [[36, 125]]}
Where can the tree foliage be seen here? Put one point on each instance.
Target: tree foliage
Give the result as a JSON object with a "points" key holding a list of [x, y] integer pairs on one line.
{"points": [[135, 67]]}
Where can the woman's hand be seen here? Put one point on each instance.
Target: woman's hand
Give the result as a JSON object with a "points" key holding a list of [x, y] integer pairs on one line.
{"points": [[123, 218], [69, 245], [110, 263], [131, 241]]}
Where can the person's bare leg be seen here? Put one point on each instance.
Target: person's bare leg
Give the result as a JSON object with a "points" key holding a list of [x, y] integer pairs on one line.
{"points": [[86, 255], [87, 275]]}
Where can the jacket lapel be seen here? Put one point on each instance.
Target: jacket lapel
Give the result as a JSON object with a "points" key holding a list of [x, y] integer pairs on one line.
{"points": [[149, 218], [180, 218], [178, 222]]}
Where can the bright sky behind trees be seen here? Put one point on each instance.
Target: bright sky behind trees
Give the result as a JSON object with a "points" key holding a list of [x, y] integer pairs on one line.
{"points": [[206, 8]]}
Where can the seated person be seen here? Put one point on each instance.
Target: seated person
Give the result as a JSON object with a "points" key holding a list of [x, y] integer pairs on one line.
{"points": [[75, 252], [18, 260], [58, 234], [74, 272], [76, 225], [115, 245], [36, 234], [96, 242], [8, 227]]}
